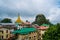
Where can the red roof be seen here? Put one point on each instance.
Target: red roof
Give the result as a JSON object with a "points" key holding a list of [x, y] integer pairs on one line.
{"points": [[43, 28]]}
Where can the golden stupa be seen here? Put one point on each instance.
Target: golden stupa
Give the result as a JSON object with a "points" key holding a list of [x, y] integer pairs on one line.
{"points": [[19, 20]]}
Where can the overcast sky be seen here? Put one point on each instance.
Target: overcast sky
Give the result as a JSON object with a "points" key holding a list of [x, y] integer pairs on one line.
{"points": [[28, 9]]}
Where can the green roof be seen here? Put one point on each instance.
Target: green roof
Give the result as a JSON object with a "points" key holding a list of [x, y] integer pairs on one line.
{"points": [[24, 31], [45, 25]]}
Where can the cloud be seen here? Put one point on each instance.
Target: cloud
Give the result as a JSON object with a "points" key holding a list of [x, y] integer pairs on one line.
{"points": [[28, 9], [54, 15]]}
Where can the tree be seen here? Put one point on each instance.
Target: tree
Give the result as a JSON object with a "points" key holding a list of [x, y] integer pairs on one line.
{"points": [[40, 19], [58, 30], [53, 33], [6, 20]]}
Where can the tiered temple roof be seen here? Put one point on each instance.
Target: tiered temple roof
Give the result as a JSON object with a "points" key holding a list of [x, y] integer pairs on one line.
{"points": [[24, 31]]}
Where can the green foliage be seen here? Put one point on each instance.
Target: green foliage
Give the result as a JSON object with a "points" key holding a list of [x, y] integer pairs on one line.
{"points": [[53, 33], [6, 20], [41, 19]]}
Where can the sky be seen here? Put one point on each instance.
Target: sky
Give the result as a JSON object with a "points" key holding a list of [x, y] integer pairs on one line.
{"points": [[28, 9]]}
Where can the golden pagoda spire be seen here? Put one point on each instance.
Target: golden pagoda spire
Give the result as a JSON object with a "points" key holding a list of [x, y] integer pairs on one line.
{"points": [[19, 19]]}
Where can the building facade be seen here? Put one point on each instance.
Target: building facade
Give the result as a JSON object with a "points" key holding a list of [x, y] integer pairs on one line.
{"points": [[5, 34], [30, 36]]}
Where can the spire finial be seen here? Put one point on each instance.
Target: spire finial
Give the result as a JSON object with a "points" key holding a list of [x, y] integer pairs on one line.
{"points": [[18, 14]]}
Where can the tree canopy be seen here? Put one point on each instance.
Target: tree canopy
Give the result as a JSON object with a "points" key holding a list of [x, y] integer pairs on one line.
{"points": [[41, 19], [6, 20], [53, 33]]}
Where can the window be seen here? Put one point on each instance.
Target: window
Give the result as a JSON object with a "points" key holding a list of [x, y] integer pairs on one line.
{"points": [[34, 36], [29, 37], [2, 32], [38, 39], [6, 31], [2, 37], [6, 36]]}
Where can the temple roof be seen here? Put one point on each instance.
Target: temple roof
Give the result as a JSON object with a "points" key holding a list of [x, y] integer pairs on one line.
{"points": [[45, 25], [24, 31], [19, 20]]}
